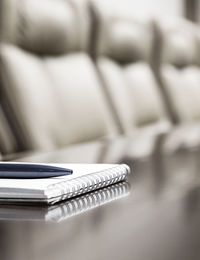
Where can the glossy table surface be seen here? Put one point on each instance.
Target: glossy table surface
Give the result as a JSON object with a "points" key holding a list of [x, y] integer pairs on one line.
{"points": [[157, 219]]}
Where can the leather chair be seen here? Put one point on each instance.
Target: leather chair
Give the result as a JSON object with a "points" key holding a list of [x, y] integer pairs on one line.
{"points": [[123, 49], [49, 85], [7, 142], [123, 55], [177, 69], [178, 74]]}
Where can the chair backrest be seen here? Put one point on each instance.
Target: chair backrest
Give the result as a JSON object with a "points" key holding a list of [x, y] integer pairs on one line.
{"points": [[49, 85], [178, 70], [7, 140], [123, 55]]}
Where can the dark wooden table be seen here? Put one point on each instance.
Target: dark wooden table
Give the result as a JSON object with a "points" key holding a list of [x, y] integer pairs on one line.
{"points": [[158, 220]]}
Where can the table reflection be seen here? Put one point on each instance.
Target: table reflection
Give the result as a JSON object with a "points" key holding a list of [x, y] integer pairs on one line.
{"points": [[69, 208]]}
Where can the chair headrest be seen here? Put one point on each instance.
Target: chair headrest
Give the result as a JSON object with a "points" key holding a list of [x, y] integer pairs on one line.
{"points": [[122, 37], [46, 27], [178, 43]]}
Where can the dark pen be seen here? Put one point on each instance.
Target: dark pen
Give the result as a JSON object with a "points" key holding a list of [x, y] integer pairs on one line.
{"points": [[31, 171]]}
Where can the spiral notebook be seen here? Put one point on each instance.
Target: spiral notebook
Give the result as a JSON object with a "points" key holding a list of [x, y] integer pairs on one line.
{"points": [[66, 209], [85, 178]]}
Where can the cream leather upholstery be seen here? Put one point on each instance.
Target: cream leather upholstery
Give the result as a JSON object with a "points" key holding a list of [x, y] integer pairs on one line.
{"points": [[128, 87], [178, 43], [49, 82], [179, 75], [124, 39], [123, 53], [178, 71], [7, 141], [49, 27], [182, 86]]}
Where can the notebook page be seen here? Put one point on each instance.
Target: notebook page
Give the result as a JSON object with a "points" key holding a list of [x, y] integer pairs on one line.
{"points": [[11, 187]]}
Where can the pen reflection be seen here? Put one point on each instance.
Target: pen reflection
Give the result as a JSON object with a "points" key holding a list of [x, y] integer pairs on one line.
{"points": [[67, 209]]}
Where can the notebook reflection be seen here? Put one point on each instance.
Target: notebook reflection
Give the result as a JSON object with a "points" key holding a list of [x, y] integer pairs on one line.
{"points": [[67, 209]]}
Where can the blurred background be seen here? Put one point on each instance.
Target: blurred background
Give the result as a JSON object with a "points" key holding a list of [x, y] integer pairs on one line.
{"points": [[79, 71], [101, 81]]}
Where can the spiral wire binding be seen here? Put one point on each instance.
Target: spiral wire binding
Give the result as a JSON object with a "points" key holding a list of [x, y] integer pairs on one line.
{"points": [[72, 188], [90, 201]]}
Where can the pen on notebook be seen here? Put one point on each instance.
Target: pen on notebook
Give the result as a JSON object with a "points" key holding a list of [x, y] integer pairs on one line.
{"points": [[31, 171]]}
